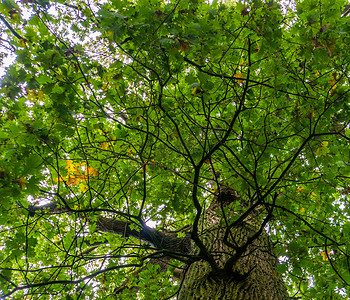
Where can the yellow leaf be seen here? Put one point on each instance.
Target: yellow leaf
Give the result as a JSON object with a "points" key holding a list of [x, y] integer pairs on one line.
{"points": [[195, 90], [105, 87], [299, 190], [91, 171], [242, 63], [83, 187], [60, 178], [239, 75], [70, 166], [333, 91], [79, 177], [71, 180], [104, 145], [324, 255], [313, 194], [23, 42], [318, 73], [76, 180], [302, 209]]}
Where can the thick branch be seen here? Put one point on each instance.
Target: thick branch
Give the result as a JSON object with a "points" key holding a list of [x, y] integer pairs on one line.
{"points": [[156, 238]]}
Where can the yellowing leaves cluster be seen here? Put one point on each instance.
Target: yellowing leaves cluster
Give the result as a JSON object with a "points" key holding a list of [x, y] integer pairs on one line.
{"points": [[77, 173], [324, 255], [104, 145]]}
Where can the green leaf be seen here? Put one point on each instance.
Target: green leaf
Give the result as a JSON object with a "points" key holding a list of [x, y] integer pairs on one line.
{"points": [[115, 115]]}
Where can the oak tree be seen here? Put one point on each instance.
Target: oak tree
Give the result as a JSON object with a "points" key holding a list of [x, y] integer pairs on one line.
{"points": [[175, 149]]}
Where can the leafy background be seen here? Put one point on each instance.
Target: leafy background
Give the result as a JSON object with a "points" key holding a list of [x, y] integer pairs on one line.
{"points": [[139, 110]]}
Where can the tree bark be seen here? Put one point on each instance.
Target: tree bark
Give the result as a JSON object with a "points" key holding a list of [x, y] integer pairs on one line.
{"points": [[246, 266]]}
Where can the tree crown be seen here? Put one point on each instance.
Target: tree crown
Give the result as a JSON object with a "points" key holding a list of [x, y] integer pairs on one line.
{"points": [[143, 112]]}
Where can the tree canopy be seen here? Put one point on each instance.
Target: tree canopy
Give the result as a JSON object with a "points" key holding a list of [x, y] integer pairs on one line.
{"points": [[123, 120]]}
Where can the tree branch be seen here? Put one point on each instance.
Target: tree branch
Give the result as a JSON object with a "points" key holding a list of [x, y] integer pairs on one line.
{"points": [[161, 241], [11, 29], [156, 238]]}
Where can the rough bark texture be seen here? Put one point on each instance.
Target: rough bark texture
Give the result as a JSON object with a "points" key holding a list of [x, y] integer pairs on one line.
{"points": [[252, 276]]}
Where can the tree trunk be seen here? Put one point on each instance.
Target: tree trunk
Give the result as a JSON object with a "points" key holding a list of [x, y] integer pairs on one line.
{"points": [[246, 266]]}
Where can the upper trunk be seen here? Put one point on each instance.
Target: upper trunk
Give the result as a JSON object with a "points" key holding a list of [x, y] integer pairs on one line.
{"points": [[245, 266]]}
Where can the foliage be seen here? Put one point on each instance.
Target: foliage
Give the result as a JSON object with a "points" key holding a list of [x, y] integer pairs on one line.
{"points": [[139, 110]]}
